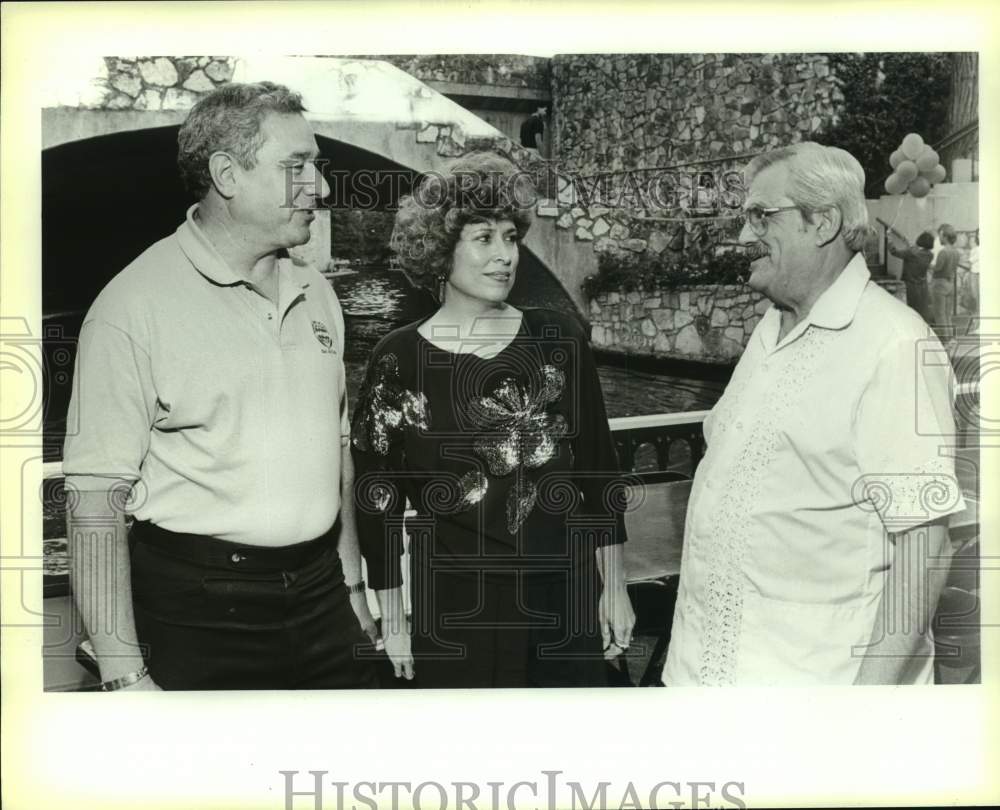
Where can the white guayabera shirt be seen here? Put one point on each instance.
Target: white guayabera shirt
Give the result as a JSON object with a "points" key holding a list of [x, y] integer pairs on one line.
{"points": [[820, 445]]}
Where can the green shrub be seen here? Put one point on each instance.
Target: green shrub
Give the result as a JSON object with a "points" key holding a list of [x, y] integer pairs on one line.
{"points": [[887, 95], [643, 271]]}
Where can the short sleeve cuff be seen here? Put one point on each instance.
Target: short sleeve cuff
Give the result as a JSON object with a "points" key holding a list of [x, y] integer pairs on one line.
{"points": [[906, 500], [96, 483]]}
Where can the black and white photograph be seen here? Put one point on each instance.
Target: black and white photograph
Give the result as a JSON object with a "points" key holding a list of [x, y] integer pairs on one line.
{"points": [[384, 383]]}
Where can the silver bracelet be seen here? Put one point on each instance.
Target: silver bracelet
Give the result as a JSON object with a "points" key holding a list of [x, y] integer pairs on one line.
{"points": [[124, 680]]}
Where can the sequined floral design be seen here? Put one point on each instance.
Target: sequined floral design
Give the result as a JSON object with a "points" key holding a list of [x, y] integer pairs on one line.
{"points": [[386, 409], [517, 434]]}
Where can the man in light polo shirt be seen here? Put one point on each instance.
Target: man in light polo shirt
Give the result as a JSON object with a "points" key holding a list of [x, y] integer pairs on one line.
{"points": [[211, 406]]}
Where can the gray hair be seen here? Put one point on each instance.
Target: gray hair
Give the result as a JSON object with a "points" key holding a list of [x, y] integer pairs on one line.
{"points": [[228, 119], [820, 177]]}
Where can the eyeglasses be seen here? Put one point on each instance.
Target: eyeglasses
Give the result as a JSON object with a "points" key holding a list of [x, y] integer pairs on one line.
{"points": [[756, 216]]}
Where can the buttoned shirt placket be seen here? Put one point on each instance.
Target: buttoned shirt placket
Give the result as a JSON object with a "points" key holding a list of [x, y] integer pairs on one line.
{"points": [[742, 450], [271, 316]]}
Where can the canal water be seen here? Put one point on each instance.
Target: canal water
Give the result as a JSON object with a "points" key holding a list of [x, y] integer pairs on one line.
{"points": [[377, 300]]}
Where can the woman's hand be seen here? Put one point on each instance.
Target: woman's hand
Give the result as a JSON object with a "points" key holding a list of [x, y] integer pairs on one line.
{"points": [[397, 647], [617, 619], [615, 608], [396, 631]]}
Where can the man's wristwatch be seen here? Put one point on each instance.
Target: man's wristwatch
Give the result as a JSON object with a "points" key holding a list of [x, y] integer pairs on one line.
{"points": [[357, 587], [126, 680]]}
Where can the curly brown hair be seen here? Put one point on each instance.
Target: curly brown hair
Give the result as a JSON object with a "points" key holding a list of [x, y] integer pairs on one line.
{"points": [[482, 186]]}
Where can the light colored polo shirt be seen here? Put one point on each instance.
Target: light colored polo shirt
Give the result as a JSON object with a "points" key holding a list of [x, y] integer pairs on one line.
{"points": [[821, 444], [227, 411]]}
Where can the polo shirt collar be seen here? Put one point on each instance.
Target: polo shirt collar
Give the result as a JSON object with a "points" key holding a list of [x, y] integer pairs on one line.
{"points": [[834, 309], [207, 261], [202, 253]]}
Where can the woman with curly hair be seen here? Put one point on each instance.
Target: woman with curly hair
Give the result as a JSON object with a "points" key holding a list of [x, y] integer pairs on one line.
{"points": [[490, 421]]}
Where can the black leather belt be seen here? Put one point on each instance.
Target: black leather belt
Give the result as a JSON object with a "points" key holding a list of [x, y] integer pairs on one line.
{"points": [[212, 551]]}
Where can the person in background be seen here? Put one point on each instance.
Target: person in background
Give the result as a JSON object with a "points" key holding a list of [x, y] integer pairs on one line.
{"points": [[533, 131], [490, 421], [972, 279], [210, 399], [942, 287], [814, 551], [916, 261]]}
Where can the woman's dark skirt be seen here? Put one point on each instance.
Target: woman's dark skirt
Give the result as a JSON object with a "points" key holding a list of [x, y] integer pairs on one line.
{"points": [[478, 628]]}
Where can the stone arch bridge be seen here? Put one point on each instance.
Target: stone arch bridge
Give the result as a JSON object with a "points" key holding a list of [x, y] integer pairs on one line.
{"points": [[109, 142]]}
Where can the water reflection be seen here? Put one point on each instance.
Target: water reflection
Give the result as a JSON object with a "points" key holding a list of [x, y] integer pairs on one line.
{"points": [[376, 300], [628, 392], [371, 293]]}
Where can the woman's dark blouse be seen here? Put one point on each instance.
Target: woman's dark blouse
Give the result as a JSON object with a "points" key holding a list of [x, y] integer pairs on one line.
{"points": [[508, 461]]}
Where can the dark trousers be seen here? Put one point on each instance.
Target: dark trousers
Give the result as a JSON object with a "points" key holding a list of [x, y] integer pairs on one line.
{"points": [[211, 614], [942, 304], [918, 297]]}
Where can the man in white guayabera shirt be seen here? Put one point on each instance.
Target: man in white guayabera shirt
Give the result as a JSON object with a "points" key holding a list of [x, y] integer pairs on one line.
{"points": [[816, 538], [210, 390]]}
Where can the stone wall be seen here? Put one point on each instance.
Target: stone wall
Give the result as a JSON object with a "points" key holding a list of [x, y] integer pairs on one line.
{"points": [[502, 70], [157, 82], [175, 82], [656, 142], [619, 112], [708, 324]]}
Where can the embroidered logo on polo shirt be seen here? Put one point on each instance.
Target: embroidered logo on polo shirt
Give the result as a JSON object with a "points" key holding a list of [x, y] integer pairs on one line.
{"points": [[323, 336]]}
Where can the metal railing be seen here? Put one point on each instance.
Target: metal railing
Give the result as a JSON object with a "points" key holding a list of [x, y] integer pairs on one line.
{"points": [[660, 442], [629, 432], [670, 443]]}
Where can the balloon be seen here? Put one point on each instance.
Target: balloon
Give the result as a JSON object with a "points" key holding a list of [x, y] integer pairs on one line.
{"points": [[927, 160], [896, 158], [939, 174], [919, 187], [912, 146], [907, 170], [895, 184], [929, 174]]}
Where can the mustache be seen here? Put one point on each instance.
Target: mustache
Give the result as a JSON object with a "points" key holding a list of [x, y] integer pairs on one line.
{"points": [[753, 251]]}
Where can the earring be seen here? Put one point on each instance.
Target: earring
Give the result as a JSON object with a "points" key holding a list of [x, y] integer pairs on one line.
{"points": [[441, 283]]}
